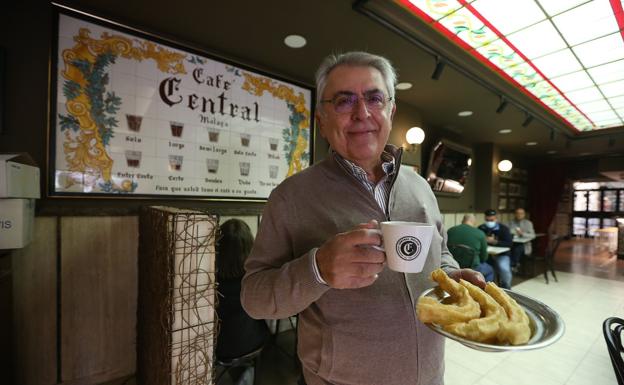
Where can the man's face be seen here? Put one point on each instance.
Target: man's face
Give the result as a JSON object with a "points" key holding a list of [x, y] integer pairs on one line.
{"points": [[490, 218], [520, 214], [359, 136]]}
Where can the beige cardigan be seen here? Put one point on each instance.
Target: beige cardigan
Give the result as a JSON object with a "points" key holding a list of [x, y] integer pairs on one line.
{"points": [[353, 336]]}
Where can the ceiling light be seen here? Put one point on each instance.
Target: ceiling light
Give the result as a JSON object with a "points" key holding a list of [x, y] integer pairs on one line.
{"points": [[295, 41], [504, 131], [463, 114], [469, 162], [531, 143], [403, 86], [550, 152], [504, 165], [415, 135]]}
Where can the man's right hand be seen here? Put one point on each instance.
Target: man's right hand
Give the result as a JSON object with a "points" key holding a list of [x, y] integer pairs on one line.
{"points": [[346, 261]]}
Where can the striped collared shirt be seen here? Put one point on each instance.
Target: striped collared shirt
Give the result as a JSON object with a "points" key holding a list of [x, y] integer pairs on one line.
{"points": [[381, 190]]}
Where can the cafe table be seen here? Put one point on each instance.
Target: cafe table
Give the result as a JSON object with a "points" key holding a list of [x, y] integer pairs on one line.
{"points": [[518, 239], [523, 239], [607, 238], [496, 250]]}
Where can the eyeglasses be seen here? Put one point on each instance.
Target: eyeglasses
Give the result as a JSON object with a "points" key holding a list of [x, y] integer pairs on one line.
{"points": [[346, 102]]}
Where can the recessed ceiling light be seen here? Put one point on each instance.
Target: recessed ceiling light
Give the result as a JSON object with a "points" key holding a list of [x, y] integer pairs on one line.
{"points": [[504, 131], [404, 86], [295, 41], [551, 152], [531, 143], [464, 113]]}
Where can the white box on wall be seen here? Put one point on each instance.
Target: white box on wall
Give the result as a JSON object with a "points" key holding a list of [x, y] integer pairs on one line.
{"points": [[16, 222], [19, 176]]}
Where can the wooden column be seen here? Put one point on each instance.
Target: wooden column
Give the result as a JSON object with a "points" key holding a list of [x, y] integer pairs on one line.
{"points": [[34, 307], [98, 298]]}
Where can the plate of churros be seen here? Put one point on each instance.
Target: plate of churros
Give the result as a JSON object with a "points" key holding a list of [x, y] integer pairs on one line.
{"points": [[491, 320]]}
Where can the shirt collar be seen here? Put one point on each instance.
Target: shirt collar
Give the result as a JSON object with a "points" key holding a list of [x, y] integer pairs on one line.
{"points": [[388, 164]]}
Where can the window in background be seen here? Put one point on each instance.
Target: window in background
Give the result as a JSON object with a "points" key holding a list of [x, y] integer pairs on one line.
{"points": [[593, 198], [580, 201], [593, 224], [579, 226], [586, 185], [596, 205], [609, 200]]}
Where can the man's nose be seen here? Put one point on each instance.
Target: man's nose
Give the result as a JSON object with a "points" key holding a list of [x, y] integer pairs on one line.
{"points": [[360, 110]]}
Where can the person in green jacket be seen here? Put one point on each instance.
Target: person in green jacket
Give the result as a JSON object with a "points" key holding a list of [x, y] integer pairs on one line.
{"points": [[469, 247]]}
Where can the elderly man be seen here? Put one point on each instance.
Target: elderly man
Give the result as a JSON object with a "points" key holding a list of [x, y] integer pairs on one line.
{"points": [[312, 255], [523, 228]]}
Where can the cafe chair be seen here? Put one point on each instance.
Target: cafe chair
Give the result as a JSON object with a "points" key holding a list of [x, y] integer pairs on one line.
{"points": [[546, 259], [612, 329], [463, 254], [248, 360], [553, 245]]}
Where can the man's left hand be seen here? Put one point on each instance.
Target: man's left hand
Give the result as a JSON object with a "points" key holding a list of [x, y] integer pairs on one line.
{"points": [[472, 276]]}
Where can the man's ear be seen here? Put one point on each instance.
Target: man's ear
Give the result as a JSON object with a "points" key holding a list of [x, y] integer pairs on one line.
{"points": [[318, 121], [393, 111]]}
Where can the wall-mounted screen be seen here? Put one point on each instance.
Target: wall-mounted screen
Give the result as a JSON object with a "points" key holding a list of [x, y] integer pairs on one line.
{"points": [[449, 165]]}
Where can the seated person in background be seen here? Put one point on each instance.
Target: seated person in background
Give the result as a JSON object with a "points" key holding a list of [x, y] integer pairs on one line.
{"points": [[467, 234], [497, 234], [239, 334], [521, 227]]}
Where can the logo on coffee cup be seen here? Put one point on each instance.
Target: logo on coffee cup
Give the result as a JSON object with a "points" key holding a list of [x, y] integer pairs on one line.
{"points": [[408, 248]]}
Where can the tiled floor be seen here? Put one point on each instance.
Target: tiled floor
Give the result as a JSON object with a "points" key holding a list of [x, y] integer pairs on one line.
{"points": [[579, 357]]}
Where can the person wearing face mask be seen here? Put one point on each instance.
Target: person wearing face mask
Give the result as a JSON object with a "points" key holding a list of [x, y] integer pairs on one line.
{"points": [[497, 234]]}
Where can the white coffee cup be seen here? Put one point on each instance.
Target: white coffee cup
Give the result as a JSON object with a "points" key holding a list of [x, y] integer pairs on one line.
{"points": [[406, 245]]}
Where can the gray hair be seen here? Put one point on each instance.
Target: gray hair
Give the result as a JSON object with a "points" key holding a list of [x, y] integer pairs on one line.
{"points": [[355, 59]]}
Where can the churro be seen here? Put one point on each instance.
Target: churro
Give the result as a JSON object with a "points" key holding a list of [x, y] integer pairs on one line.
{"points": [[489, 316], [463, 308], [484, 329], [516, 329]]}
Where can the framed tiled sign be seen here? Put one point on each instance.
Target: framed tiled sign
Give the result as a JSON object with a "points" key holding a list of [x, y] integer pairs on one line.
{"points": [[136, 115]]}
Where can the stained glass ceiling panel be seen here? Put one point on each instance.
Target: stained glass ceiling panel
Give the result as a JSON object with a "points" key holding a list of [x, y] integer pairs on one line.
{"points": [[554, 7], [613, 89], [525, 13], [595, 106], [567, 54], [558, 63], [608, 72], [544, 32], [574, 81], [586, 22], [585, 95], [617, 102], [600, 51]]}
